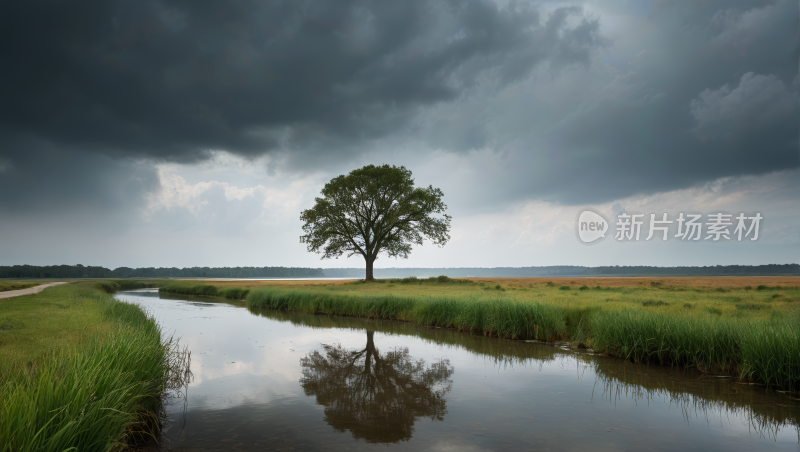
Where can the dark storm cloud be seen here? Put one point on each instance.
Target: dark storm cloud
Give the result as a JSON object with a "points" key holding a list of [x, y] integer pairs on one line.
{"points": [[41, 179], [174, 79], [708, 90]]}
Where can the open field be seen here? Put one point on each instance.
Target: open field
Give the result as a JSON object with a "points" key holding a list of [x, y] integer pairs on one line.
{"points": [[698, 282], [736, 297], [744, 326], [80, 369]]}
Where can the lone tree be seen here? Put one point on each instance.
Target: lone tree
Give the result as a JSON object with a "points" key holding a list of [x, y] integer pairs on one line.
{"points": [[373, 210]]}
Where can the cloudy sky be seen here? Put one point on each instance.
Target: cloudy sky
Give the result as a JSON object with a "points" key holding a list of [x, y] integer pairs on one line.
{"points": [[193, 132]]}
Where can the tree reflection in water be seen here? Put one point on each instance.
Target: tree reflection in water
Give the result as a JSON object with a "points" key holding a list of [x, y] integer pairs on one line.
{"points": [[377, 397]]}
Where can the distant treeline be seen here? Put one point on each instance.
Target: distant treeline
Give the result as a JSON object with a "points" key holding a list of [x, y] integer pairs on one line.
{"points": [[80, 271], [568, 270]]}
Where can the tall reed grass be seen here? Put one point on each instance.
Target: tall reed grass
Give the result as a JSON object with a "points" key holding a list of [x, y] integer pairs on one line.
{"points": [[205, 290], [764, 350], [101, 396], [518, 320], [122, 284]]}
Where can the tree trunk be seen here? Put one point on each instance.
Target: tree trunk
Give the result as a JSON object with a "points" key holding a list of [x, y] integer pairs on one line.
{"points": [[369, 269]]}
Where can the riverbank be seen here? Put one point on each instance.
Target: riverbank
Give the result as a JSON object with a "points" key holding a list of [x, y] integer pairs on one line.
{"points": [[81, 370], [744, 330]]}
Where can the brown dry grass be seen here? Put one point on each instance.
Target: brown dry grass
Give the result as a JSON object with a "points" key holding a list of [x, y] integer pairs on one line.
{"points": [[699, 282]]}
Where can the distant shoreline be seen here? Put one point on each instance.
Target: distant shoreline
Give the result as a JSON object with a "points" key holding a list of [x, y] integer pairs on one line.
{"points": [[77, 272]]}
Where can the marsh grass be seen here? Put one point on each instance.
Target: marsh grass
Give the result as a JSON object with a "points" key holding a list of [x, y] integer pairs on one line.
{"points": [[205, 290], [491, 317], [123, 284], [623, 321], [101, 389], [725, 335]]}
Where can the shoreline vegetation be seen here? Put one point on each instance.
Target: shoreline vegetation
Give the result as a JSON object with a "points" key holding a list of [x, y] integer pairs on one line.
{"points": [[95, 272], [81, 370], [751, 331]]}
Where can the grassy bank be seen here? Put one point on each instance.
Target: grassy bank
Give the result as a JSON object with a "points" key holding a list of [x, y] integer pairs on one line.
{"points": [[652, 324], [16, 285], [123, 284], [81, 371], [748, 330], [615, 376], [205, 290]]}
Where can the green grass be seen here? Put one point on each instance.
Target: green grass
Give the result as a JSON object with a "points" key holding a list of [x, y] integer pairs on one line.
{"points": [[614, 376], [123, 284], [82, 371], [205, 290], [716, 329], [16, 285], [725, 337]]}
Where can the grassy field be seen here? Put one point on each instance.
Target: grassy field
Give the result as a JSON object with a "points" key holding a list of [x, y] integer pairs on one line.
{"points": [[744, 326], [737, 297], [16, 285], [80, 370]]}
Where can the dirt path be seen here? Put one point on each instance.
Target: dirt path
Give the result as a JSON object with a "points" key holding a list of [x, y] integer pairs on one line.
{"points": [[28, 291]]}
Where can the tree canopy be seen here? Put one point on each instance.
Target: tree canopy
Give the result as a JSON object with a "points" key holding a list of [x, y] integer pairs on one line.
{"points": [[373, 210]]}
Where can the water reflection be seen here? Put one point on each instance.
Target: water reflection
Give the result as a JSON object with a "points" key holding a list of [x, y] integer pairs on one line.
{"points": [[377, 397], [265, 381], [699, 397]]}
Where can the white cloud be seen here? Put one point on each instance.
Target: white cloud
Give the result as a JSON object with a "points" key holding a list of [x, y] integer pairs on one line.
{"points": [[177, 193]]}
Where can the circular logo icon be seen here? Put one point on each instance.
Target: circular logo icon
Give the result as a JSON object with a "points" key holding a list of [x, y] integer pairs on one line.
{"points": [[591, 226]]}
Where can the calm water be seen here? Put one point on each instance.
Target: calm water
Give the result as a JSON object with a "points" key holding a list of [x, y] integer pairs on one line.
{"points": [[276, 380]]}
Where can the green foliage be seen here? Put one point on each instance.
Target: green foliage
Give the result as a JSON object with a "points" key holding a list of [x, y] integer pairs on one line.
{"points": [[97, 396], [767, 351], [235, 293], [107, 286], [564, 288], [490, 317], [199, 290], [122, 284], [80, 271], [373, 210], [763, 287], [752, 307], [205, 290], [624, 324], [649, 303]]}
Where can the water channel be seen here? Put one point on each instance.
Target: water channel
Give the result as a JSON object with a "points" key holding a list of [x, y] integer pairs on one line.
{"points": [[274, 380]]}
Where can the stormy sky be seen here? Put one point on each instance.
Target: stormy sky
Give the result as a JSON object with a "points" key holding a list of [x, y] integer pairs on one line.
{"points": [[193, 132]]}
